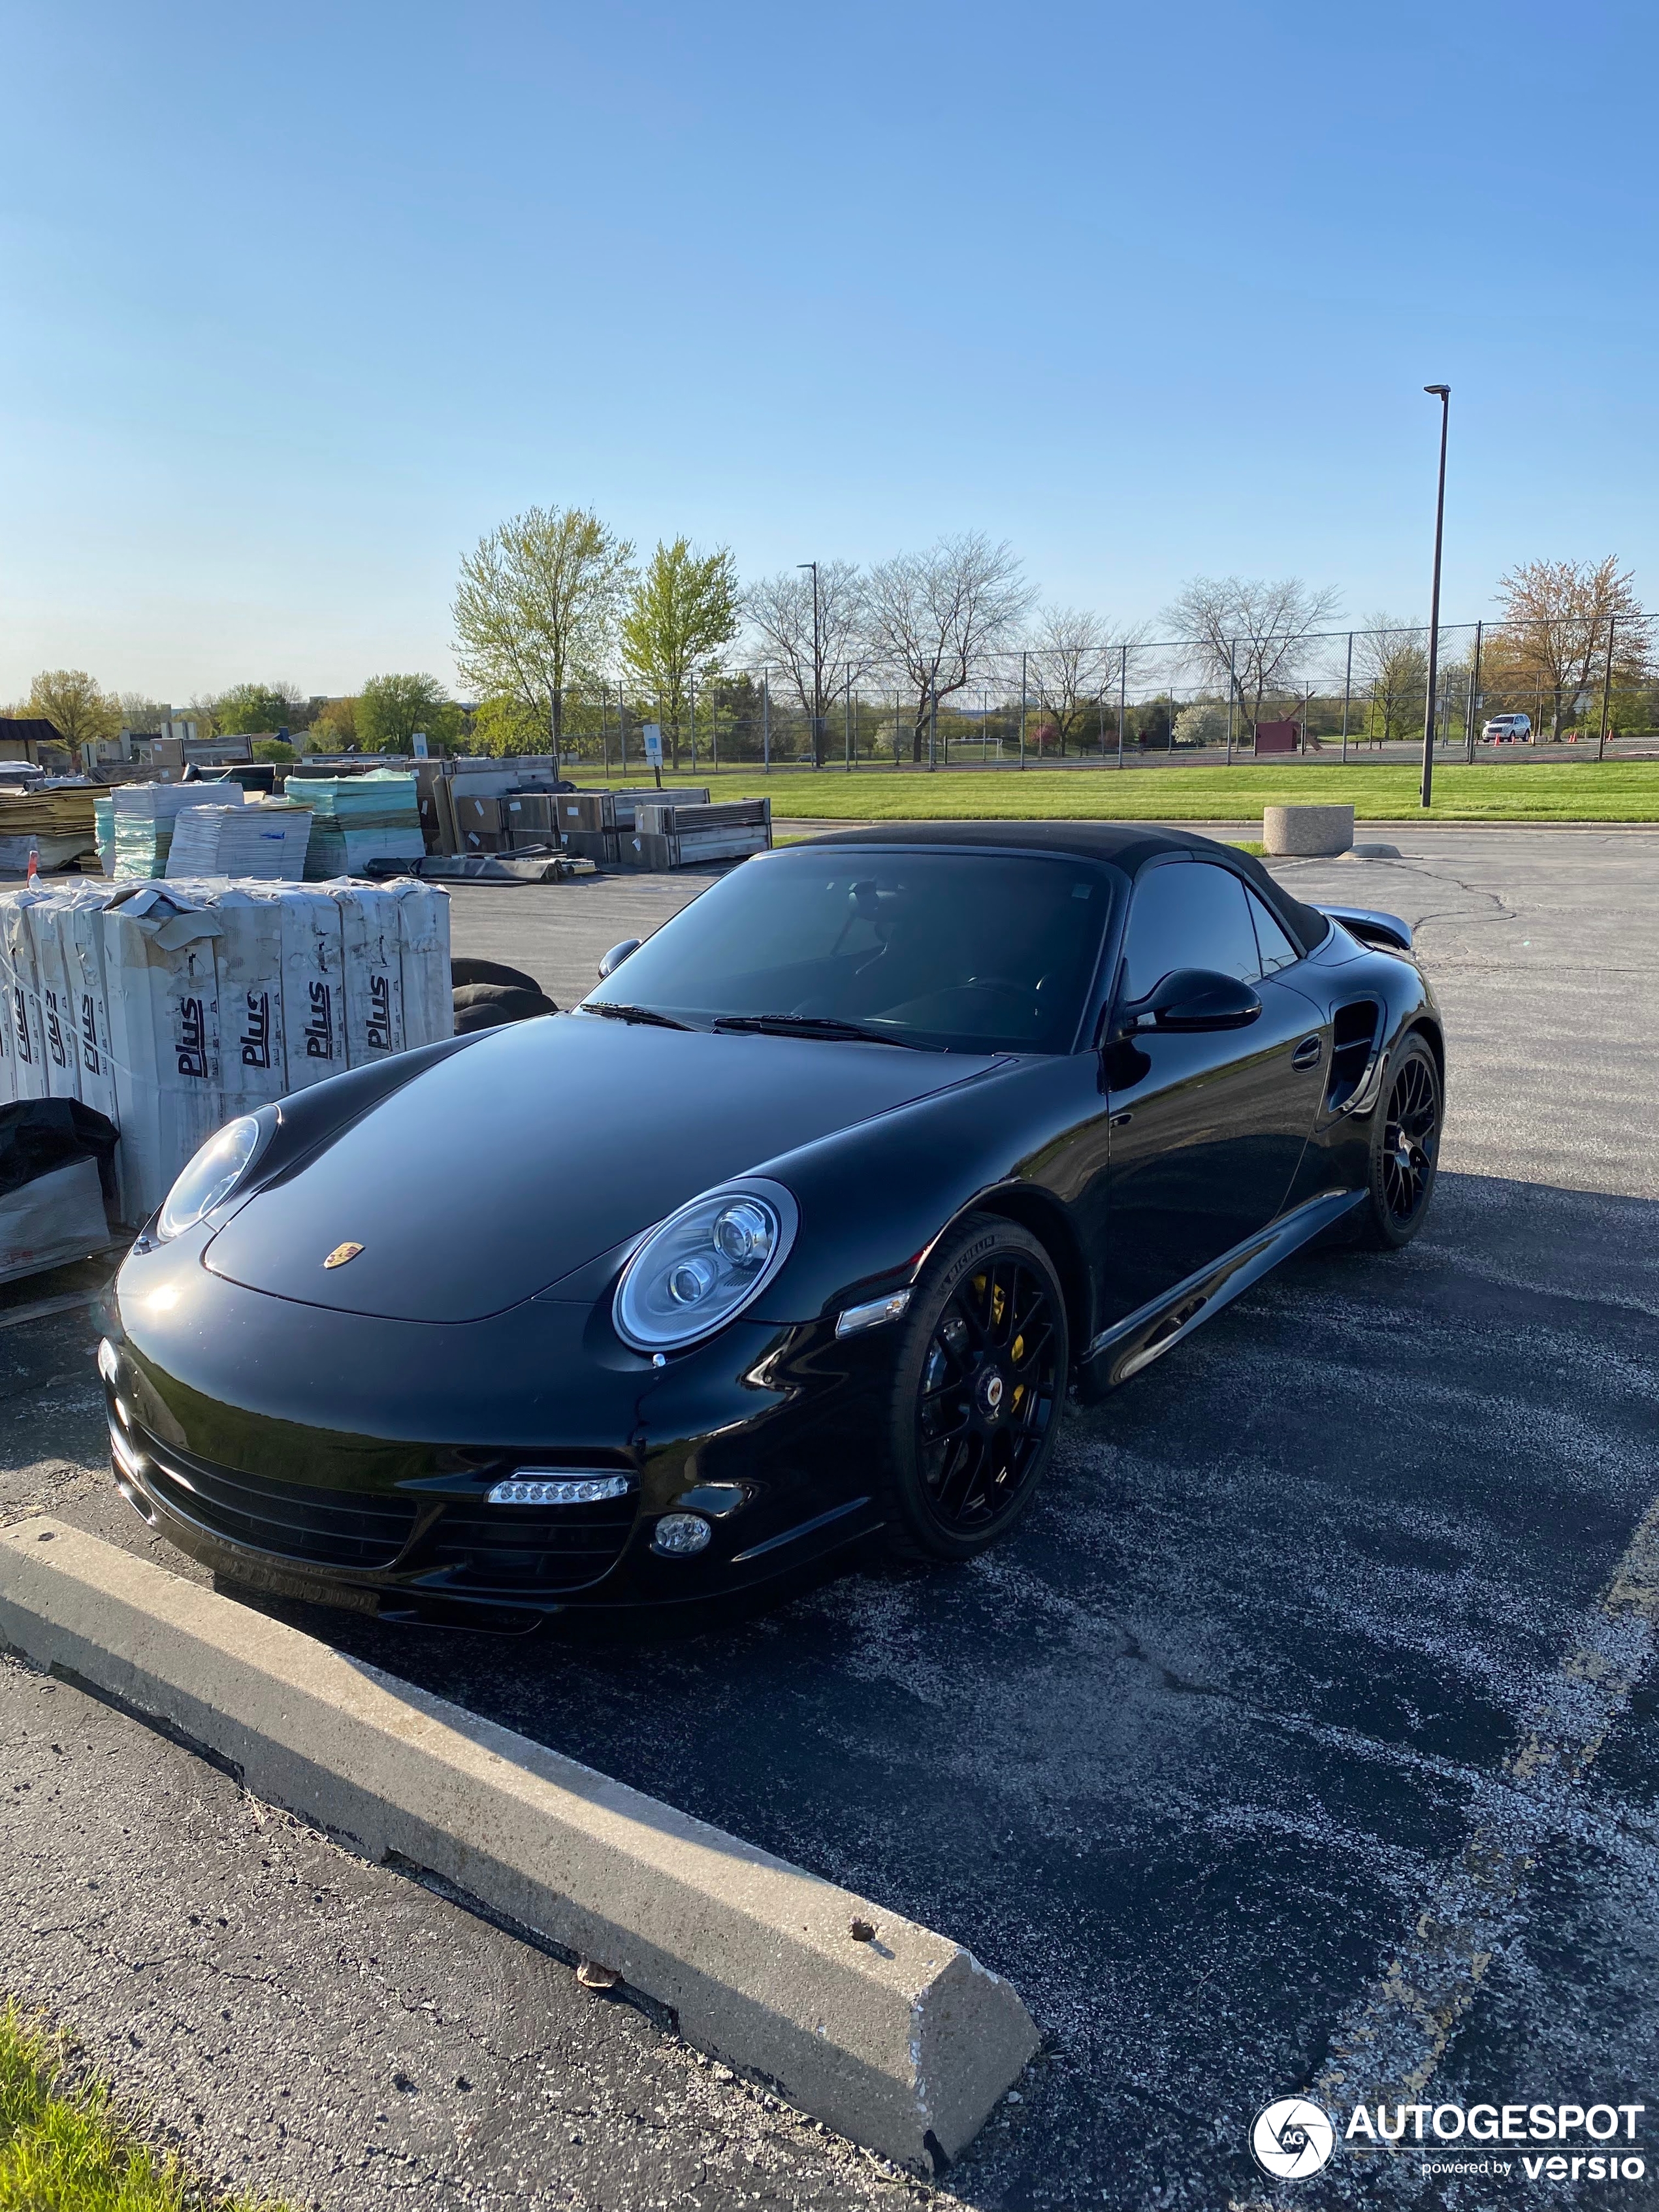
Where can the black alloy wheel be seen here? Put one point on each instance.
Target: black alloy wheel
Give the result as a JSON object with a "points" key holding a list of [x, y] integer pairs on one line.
{"points": [[1405, 1147], [981, 1377]]}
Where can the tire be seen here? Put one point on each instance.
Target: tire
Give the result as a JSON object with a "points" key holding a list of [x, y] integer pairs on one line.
{"points": [[1405, 1149], [978, 1383], [490, 1005], [462, 972]]}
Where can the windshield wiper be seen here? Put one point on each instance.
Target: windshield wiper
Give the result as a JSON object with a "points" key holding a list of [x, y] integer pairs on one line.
{"points": [[816, 1026], [613, 1011]]}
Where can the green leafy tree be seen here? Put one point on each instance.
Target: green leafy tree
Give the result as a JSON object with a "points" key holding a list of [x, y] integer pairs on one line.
{"points": [[389, 710], [76, 705], [537, 606], [682, 614], [505, 725], [275, 750], [335, 729], [247, 708]]}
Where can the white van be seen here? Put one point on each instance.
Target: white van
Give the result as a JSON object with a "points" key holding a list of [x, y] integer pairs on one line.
{"points": [[1508, 730]]}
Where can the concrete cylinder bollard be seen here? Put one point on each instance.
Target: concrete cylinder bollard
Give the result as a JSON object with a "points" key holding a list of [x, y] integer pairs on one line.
{"points": [[1307, 832]]}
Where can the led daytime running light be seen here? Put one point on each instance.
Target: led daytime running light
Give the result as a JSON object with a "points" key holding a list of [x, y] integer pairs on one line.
{"points": [[563, 1490]]}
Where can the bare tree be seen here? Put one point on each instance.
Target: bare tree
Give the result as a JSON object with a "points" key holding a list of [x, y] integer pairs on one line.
{"points": [[1248, 634], [1074, 657], [935, 616], [820, 660], [536, 607], [1392, 657], [1558, 616]]}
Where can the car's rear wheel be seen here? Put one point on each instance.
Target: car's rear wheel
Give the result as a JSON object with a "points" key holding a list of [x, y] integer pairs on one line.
{"points": [[980, 1383], [1405, 1150]]}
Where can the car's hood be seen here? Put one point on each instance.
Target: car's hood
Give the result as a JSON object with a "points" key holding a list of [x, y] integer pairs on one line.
{"points": [[506, 1165]]}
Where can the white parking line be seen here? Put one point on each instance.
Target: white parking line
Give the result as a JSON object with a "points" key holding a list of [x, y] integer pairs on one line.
{"points": [[1388, 2047]]}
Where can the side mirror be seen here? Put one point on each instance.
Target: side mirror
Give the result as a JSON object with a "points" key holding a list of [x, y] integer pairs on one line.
{"points": [[617, 954], [1195, 998]]}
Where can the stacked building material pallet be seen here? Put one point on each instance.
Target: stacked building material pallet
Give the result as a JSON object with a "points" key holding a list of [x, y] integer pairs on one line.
{"points": [[358, 818], [57, 821], [145, 816], [261, 842], [171, 1007], [629, 803], [668, 834], [595, 823], [485, 804]]}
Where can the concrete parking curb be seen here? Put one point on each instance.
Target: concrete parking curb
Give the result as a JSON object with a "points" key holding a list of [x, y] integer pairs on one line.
{"points": [[897, 2036]]}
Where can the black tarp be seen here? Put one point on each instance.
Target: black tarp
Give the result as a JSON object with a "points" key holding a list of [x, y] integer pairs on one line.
{"points": [[39, 1134]]}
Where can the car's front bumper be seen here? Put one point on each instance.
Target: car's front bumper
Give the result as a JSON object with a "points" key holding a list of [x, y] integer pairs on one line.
{"points": [[321, 1454]]}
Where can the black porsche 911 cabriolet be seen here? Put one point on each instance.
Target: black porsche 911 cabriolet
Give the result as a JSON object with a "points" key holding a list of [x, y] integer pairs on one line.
{"points": [[795, 1234]]}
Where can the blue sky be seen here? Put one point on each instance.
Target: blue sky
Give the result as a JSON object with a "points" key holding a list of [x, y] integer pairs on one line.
{"points": [[301, 300]]}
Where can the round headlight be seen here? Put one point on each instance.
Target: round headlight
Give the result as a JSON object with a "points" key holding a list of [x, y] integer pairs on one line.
{"points": [[210, 1176], [700, 1268]]}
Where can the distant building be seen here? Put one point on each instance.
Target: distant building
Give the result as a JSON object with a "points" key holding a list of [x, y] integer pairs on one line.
{"points": [[32, 738]]}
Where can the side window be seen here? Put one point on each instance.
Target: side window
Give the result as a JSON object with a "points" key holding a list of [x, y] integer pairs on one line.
{"points": [[1276, 949], [1189, 913]]}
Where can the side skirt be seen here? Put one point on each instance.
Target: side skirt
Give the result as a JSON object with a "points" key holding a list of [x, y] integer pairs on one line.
{"points": [[1129, 1345]]}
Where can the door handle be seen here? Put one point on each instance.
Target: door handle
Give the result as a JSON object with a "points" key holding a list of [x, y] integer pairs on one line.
{"points": [[1119, 1121], [1307, 1053]]}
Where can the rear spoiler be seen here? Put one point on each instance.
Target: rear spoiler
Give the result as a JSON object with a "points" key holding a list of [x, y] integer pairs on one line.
{"points": [[1372, 928]]}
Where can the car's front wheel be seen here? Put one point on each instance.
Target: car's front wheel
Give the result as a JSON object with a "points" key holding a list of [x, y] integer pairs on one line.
{"points": [[980, 1381]]}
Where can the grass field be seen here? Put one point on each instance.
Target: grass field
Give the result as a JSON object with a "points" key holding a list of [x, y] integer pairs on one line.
{"points": [[62, 2148], [1586, 791]]}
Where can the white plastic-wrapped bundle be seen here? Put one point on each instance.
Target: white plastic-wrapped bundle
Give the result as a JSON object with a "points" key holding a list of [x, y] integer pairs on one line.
{"points": [[52, 960], [170, 1007], [27, 1030], [314, 985], [253, 1053], [48, 923], [84, 959], [423, 934], [373, 954], [162, 975]]}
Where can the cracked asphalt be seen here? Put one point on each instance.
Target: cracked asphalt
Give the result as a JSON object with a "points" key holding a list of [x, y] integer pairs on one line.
{"points": [[1301, 1672]]}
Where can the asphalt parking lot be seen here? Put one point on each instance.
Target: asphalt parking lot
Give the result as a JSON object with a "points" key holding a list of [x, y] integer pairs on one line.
{"points": [[1287, 1746]]}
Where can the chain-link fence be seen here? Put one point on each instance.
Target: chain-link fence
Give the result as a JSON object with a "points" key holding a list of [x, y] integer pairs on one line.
{"points": [[1347, 694]]}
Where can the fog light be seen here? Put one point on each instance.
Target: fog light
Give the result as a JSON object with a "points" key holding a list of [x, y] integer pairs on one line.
{"points": [[109, 1362], [680, 1535], [566, 1489]]}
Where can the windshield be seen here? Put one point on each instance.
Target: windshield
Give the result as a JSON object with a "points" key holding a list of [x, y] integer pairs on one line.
{"points": [[962, 951]]}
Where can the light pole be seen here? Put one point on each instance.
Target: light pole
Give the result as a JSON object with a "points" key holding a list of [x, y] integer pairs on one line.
{"points": [[1442, 393], [818, 666]]}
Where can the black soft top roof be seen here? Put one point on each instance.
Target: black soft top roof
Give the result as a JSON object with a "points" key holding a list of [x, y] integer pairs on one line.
{"points": [[1127, 845]]}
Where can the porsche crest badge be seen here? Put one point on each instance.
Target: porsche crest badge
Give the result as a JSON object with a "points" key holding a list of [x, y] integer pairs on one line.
{"points": [[341, 1253]]}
